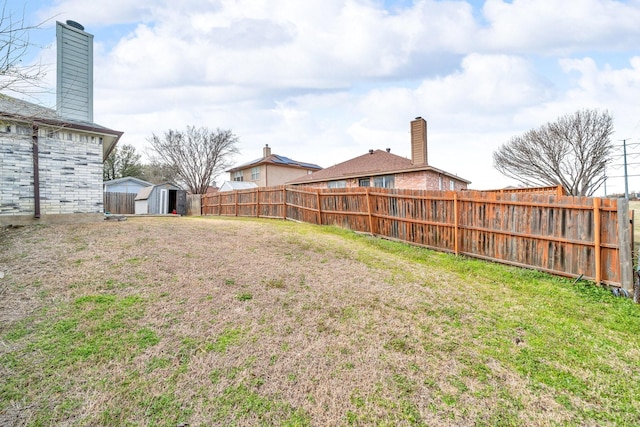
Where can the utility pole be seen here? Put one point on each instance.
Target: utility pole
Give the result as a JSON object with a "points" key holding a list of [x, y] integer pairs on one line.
{"points": [[626, 176], [604, 168]]}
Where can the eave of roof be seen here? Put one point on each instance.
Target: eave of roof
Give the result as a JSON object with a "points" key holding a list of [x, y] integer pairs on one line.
{"points": [[24, 111]]}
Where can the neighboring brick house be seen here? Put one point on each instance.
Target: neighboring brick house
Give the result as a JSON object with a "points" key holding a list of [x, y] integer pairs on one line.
{"points": [[381, 168], [271, 170], [51, 161]]}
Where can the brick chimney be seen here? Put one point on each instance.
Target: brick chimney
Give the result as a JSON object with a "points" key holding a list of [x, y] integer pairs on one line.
{"points": [[419, 141], [266, 151]]}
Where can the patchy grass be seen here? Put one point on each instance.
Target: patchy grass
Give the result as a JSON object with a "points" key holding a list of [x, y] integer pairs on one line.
{"points": [[264, 322]]}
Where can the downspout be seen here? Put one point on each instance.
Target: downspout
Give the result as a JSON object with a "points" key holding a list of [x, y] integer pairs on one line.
{"points": [[36, 171]]}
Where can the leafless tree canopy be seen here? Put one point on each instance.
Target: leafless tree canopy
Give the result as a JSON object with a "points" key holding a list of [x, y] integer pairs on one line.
{"points": [[197, 155], [571, 152], [14, 42]]}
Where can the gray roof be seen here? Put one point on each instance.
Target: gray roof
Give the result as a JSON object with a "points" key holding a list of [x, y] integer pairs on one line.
{"points": [[21, 110], [127, 178]]}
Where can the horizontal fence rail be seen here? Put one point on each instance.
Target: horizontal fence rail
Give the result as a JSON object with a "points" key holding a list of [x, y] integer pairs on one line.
{"points": [[547, 231]]}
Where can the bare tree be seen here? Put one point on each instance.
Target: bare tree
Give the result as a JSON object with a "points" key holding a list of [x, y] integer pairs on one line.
{"points": [[197, 155], [14, 44], [572, 152]]}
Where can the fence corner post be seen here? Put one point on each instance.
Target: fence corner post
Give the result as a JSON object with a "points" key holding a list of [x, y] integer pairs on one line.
{"points": [[597, 246], [455, 224], [624, 243]]}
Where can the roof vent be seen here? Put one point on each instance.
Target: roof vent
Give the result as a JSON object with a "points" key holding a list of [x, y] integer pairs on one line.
{"points": [[370, 151], [388, 150], [75, 24]]}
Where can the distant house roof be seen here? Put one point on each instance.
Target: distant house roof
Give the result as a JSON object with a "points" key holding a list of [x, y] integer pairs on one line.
{"points": [[128, 179], [276, 160], [236, 185], [375, 162], [26, 111]]}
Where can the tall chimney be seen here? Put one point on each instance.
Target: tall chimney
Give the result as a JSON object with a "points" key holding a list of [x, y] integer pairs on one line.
{"points": [[74, 72], [266, 151], [419, 141]]}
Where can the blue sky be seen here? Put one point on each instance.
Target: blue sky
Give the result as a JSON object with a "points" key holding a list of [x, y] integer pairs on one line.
{"points": [[323, 81]]}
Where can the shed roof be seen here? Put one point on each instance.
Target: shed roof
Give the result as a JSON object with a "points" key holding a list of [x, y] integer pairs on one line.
{"points": [[144, 193]]}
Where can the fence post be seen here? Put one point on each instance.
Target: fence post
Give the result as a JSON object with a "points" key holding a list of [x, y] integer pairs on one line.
{"points": [[624, 242], [236, 194], [258, 202], [219, 204], [284, 202], [319, 206], [369, 211], [455, 223], [596, 239]]}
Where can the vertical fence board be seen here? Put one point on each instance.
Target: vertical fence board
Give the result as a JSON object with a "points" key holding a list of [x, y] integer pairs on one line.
{"points": [[548, 231]]}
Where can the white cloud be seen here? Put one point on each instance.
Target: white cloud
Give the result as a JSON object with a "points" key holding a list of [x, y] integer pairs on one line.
{"points": [[325, 80], [561, 26]]}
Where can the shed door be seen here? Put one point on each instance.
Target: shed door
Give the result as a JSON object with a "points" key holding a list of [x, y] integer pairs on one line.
{"points": [[164, 201], [181, 202]]}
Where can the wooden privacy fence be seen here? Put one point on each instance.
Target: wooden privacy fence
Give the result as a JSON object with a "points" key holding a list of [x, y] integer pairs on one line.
{"points": [[563, 235], [193, 205], [119, 203]]}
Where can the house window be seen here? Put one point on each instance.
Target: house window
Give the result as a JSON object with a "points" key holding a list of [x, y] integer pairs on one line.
{"points": [[385, 181], [5, 129], [238, 176], [83, 138], [23, 130], [69, 136], [337, 184], [52, 134], [452, 185], [364, 182], [255, 173]]}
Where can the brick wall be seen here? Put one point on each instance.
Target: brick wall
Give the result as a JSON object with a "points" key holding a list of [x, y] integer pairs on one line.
{"points": [[421, 180], [70, 174]]}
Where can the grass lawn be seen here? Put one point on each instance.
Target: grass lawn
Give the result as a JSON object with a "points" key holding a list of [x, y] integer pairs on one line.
{"points": [[226, 321]]}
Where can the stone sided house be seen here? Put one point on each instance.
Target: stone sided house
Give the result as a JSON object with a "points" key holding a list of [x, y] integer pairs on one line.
{"points": [[51, 161], [381, 168], [271, 170]]}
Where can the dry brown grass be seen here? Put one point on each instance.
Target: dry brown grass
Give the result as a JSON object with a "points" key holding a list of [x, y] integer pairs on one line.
{"points": [[272, 322]]}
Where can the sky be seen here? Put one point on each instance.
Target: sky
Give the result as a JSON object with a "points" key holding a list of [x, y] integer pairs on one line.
{"points": [[323, 81]]}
